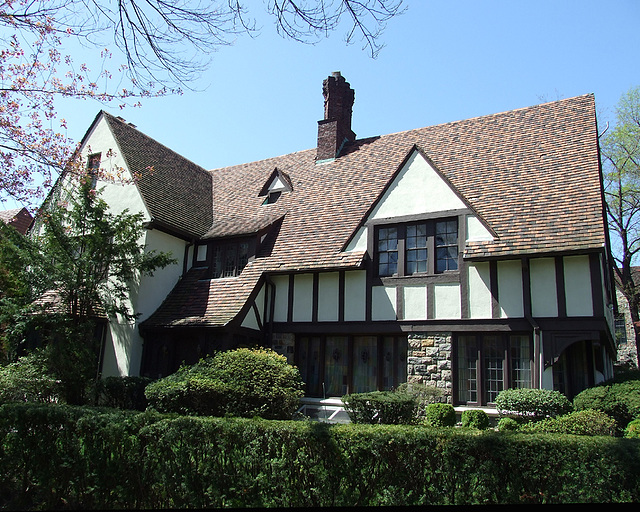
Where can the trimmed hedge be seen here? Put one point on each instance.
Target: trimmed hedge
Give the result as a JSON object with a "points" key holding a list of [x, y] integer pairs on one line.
{"points": [[532, 404], [385, 407], [475, 418], [620, 400], [242, 382], [440, 415], [57, 457], [582, 423]]}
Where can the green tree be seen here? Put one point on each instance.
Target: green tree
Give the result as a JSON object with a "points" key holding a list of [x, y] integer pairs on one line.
{"points": [[620, 149], [82, 262]]}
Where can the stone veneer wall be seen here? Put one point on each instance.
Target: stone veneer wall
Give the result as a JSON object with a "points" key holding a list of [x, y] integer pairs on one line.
{"points": [[429, 360]]}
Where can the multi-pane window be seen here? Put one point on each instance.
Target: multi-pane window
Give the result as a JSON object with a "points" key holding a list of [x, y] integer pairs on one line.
{"points": [[405, 249], [417, 248], [229, 259], [387, 251], [446, 245], [93, 168], [489, 363]]}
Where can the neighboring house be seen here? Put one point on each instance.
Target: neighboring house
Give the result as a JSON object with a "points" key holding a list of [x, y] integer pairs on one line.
{"points": [[625, 333], [19, 218], [471, 255]]}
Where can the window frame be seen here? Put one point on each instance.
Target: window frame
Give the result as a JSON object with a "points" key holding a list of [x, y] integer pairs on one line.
{"points": [[403, 250], [225, 245], [504, 343]]}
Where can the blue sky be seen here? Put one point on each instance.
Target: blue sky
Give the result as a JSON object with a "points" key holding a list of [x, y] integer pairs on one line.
{"points": [[443, 61]]}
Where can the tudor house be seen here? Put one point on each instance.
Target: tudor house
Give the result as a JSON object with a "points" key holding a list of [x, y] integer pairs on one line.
{"points": [[471, 255]]}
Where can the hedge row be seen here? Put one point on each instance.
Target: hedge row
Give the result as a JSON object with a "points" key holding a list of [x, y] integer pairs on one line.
{"points": [[66, 457]]}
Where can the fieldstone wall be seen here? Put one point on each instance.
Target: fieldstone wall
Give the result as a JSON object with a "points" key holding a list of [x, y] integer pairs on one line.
{"points": [[283, 344], [429, 361]]}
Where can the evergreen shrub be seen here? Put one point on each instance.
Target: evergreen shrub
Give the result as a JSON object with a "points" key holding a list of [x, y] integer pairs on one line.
{"points": [[122, 392], [440, 415], [242, 382], [620, 400], [56, 457], [29, 380], [475, 418], [588, 422], [385, 407], [632, 431], [532, 404], [508, 425], [425, 394]]}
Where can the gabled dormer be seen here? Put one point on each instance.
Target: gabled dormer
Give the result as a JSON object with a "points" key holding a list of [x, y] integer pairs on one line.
{"points": [[278, 183]]}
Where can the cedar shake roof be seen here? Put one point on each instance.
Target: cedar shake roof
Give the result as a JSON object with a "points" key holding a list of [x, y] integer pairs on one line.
{"points": [[176, 192], [19, 218], [532, 174]]}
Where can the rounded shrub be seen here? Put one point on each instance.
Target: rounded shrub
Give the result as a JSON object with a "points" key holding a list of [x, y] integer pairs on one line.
{"points": [[532, 404], [619, 400], [475, 418], [508, 425], [29, 380], [386, 407], [588, 422], [242, 382], [633, 430], [440, 415]]}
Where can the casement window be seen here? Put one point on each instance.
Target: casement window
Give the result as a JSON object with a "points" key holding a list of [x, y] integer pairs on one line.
{"points": [[489, 363], [229, 259], [93, 167], [337, 365], [427, 247]]}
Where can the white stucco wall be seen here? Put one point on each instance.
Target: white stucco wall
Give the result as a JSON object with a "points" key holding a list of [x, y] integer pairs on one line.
{"points": [[510, 289], [328, 291], [544, 299], [415, 302], [383, 303], [577, 286], [355, 295], [302, 297], [447, 301], [479, 290], [281, 302], [417, 189]]}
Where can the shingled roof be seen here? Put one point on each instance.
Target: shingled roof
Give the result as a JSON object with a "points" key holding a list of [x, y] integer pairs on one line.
{"points": [[176, 192], [531, 174], [19, 218]]}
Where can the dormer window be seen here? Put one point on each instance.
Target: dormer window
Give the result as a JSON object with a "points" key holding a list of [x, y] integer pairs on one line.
{"points": [[277, 183]]}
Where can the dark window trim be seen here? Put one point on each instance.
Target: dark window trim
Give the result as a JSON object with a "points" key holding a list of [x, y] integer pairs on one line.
{"points": [[505, 347], [224, 244], [402, 251]]}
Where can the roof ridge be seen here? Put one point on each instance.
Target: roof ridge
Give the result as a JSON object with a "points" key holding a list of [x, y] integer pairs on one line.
{"points": [[199, 168]]}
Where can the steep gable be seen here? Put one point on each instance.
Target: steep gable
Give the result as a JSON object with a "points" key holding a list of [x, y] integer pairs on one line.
{"points": [[176, 192]]}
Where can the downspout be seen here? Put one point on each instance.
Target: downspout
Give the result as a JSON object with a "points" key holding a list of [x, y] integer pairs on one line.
{"points": [[537, 351]]}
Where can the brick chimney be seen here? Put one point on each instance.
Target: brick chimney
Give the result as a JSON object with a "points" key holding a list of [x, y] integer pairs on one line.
{"points": [[334, 131]]}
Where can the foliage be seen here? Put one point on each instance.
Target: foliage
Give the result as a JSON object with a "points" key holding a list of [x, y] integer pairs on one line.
{"points": [[67, 457], [632, 431], [241, 382], [28, 380], [425, 394], [507, 424], [80, 263], [136, 49], [587, 422], [620, 148], [620, 400], [440, 415], [475, 418], [122, 392], [386, 407], [532, 404]]}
